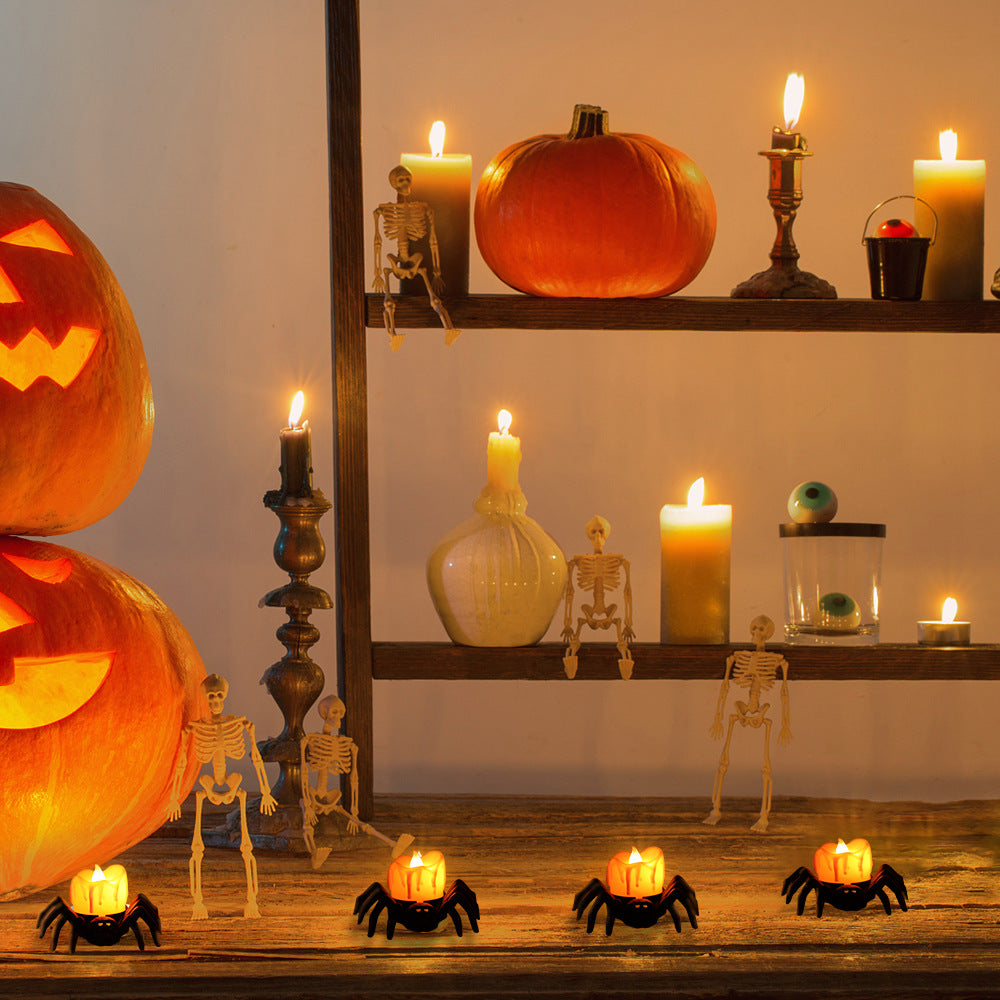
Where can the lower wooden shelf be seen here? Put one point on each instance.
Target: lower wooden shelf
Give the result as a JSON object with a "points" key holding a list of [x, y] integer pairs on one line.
{"points": [[599, 661]]}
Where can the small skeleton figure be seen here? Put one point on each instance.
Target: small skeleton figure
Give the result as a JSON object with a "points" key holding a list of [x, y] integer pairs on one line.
{"points": [[755, 670], [330, 754], [405, 221], [599, 572], [213, 739]]}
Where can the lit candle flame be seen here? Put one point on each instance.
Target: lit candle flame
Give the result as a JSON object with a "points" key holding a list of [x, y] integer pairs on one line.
{"points": [[98, 875], [696, 495], [295, 413], [948, 141], [795, 89], [437, 139], [635, 857], [841, 847], [417, 860], [949, 609], [504, 419]]}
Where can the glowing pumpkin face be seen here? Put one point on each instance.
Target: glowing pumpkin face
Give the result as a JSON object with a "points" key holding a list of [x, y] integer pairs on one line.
{"points": [[76, 411], [97, 680]]}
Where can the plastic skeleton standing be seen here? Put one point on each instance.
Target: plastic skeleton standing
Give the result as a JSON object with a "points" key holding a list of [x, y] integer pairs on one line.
{"points": [[599, 572], [756, 671], [328, 755], [215, 738], [405, 221]]}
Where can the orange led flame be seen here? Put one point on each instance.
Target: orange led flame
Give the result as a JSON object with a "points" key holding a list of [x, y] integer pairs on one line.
{"points": [[40, 235], [98, 875], [34, 357]]}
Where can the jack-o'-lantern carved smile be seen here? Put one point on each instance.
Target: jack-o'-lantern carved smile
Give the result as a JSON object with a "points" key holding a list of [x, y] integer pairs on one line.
{"points": [[39, 690]]}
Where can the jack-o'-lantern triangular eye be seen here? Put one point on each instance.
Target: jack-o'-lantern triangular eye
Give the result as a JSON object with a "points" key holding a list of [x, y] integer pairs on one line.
{"points": [[42, 570], [8, 293], [12, 615], [39, 235]]}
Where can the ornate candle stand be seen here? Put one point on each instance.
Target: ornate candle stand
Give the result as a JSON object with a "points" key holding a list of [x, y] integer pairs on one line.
{"points": [[295, 681], [783, 279]]}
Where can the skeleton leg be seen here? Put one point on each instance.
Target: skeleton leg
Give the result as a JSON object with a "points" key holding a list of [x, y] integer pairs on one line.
{"points": [[716, 814], [199, 912], [249, 861], [625, 661], [765, 803], [570, 660], [451, 334], [389, 314]]}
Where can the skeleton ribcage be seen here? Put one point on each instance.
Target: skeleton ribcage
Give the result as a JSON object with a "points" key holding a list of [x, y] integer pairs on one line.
{"points": [[227, 736], [327, 750]]}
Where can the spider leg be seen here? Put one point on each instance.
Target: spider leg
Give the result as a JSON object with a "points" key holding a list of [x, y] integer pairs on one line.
{"points": [[804, 895], [456, 917], [794, 882], [49, 914], [886, 905], [57, 928], [466, 898], [888, 876], [72, 940], [674, 915], [138, 935], [586, 895], [610, 922], [151, 915], [364, 902], [678, 889], [820, 902], [378, 907], [390, 922]]}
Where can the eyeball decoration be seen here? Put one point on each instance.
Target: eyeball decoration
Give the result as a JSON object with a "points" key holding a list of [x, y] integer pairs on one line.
{"points": [[837, 613], [812, 503]]}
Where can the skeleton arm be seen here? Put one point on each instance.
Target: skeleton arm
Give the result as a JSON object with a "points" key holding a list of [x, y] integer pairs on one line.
{"points": [[174, 810], [267, 802], [627, 631], [436, 283], [785, 733], [567, 633], [379, 283], [716, 728], [308, 812], [353, 824]]}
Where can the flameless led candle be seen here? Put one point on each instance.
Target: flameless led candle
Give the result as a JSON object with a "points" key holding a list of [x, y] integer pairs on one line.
{"points": [[636, 873], [296, 451], [503, 456], [955, 189], [694, 578], [98, 892], [795, 88], [418, 877], [844, 863], [946, 632], [444, 182]]}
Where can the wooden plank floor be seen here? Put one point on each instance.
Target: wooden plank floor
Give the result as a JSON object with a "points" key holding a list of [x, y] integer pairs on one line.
{"points": [[525, 858]]}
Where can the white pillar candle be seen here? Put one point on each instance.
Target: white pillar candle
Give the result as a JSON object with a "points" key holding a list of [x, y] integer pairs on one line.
{"points": [[955, 189]]}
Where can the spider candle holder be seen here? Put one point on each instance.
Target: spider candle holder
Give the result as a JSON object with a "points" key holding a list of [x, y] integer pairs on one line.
{"points": [[98, 912], [295, 681], [635, 893], [416, 897], [783, 279], [843, 879]]}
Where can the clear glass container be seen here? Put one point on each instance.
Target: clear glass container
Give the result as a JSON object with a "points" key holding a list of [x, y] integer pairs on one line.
{"points": [[832, 582]]}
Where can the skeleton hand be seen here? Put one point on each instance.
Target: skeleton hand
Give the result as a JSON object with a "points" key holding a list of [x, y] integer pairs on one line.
{"points": [[378, 284], [567, 634], [437, 283], [267, 803], [785, 736], [628, 633], [715, 730], [353, 826], [173, 811], [309, 817]]}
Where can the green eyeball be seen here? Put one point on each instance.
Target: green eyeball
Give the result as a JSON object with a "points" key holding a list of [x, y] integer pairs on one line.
{"points": [[812, 502], [837, 613]]}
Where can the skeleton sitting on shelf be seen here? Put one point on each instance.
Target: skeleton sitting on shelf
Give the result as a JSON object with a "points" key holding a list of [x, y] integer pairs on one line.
{"points": [[599, 572]]}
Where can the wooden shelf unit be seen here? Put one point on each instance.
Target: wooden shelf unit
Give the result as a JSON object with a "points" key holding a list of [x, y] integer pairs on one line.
{"points": [[354, 311]]}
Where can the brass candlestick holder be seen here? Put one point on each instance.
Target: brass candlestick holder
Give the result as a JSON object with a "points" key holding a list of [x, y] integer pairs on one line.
{"points": [[295, 681], [783, 279]]}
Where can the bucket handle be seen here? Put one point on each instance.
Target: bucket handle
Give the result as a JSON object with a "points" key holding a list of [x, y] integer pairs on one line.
{"points": [[896, 197]]}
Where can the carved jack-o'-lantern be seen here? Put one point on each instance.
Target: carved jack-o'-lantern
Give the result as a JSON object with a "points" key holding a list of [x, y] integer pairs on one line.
{"points": [[97, 680], [76, 411]]}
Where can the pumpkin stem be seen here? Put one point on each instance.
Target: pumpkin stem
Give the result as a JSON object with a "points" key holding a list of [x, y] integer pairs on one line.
{"points": [[588, 120]]}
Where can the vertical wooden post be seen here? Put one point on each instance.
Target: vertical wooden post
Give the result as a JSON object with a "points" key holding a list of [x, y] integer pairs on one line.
{"points": [[350, 404]]}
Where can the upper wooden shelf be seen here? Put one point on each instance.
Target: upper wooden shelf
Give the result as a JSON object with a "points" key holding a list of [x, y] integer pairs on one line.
{"points": [[525, 312], [599, 661]]}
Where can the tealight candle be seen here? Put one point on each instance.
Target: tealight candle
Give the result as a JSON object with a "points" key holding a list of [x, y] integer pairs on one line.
{"points": [[636, 873], [955, 190], [503, 456], [694, 577], [417, 878], [98, 893], [296, 451], [444, 182], [844, 863], [947, 631]]}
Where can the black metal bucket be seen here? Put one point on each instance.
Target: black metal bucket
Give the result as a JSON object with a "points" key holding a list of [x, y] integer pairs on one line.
{"points": [[896, 263]]}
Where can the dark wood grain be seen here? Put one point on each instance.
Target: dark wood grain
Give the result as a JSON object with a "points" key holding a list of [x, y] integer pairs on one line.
{"points": [[525, 312], [353, 569], [525, 858], [599, 661]]}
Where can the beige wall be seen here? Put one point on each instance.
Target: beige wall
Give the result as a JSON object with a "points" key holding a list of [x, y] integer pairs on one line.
{"points": [[188, 139]]}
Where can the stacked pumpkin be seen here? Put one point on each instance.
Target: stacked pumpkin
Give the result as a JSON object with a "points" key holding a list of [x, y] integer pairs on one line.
{"points": [[594, 213], [97, 676]]}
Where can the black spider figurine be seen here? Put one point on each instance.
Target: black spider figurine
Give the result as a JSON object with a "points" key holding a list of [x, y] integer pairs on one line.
{"points": [[101, 930], [417, 916], [636, 911], [845, 895]]}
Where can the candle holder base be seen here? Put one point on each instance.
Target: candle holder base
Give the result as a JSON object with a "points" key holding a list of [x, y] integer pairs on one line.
{"points": [[781, 281], [419, 917], [636, 911], [102, 930], [849, 896]]}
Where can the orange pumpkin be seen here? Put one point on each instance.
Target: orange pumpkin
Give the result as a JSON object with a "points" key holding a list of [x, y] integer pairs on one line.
{"points": [[594, 213], [76, 411], [97, 680]]}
